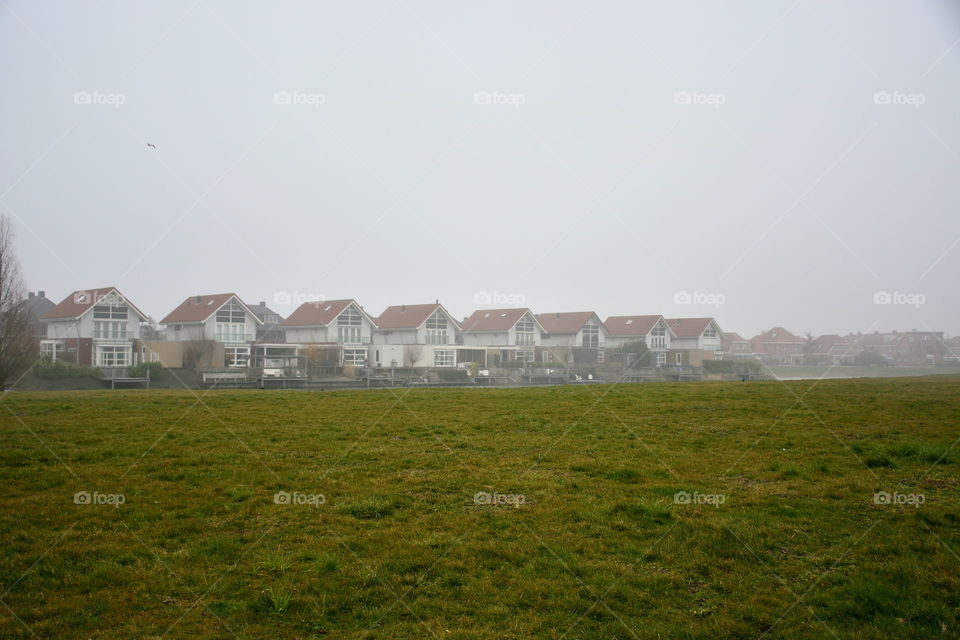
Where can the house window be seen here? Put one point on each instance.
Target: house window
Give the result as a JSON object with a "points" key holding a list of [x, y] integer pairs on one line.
{"points": [[236, 356], [600, 356], [231, 332], [444, 358], [710, 332], [679, 359], [108, 356], [113, 310], [525, 331], [154, 356], [546, 356], [109, 330], [355, 357], [525, 355], [436, 326], [52, 349], [231, 312], [591, 335], [661, 359], [658, 337]]}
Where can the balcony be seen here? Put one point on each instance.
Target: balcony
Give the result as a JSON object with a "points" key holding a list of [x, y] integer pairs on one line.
{"points": [[114, 335], [234, 338]]}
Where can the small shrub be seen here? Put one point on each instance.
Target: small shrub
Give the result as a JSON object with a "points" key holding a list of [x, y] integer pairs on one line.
{"points": [[58, 370]]}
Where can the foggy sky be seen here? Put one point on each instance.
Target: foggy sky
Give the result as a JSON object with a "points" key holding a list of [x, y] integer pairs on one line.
{"points": [[783, 189]]}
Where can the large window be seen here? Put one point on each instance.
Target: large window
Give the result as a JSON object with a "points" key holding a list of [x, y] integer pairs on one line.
{"points": [[231, 312], [658, 336], [661, 358], [113, 356], [356, 357], [236, 356], [591, 335], [710, 332], [525, 331], [107, 329], [436, 328], [525, 355], [349, 326], [444, 358], [230, 332], [52, 349]]}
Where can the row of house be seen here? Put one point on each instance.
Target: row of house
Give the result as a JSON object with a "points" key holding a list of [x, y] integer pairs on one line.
{"points": [[102, 327]]}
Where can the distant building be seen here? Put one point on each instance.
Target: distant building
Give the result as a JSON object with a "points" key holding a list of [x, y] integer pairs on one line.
{"points": [[651, 330], [508, 334], [415, 335], [830, 349], [779, 346], [905, 348], [270, 330], [694, 340], [340, 327], [37, 305], [221, 328], [572, 337], [92, 327], [735, 347]]}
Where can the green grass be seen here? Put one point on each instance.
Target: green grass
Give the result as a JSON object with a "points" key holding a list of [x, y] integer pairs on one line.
{"points": [[420, 534]]}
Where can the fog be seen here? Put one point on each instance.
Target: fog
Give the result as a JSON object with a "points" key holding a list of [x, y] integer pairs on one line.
{"points": [[766, 163]]}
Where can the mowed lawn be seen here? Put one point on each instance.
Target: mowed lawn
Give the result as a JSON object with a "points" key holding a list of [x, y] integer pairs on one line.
{"points": [[781, 536]]}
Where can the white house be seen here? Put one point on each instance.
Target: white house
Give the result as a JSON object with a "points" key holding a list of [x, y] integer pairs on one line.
{"points": [[93, 327], [571, 332], [652, 330], [414, 335], [332, 322], [694, 340], [221, 317], [515, 332]]}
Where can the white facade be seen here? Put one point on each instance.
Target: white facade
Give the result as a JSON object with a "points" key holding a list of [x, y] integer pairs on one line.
{"points": [[525, 333], [431, 344], [111, 323], [592, 328], [659, 338]]}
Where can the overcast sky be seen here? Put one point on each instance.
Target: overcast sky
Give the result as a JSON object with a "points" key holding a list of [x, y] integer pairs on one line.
{"points": [[608, 156]]}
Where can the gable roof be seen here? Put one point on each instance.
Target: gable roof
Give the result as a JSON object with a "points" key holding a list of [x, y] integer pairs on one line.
{"points": [[79, 302], [495, 319], [688, 327], [321, 314], [38, 304], [261, 310], [410, 316], [566, 321], [199, 308], [777, 335], [826, 343], [729, 339], [622, 326]]}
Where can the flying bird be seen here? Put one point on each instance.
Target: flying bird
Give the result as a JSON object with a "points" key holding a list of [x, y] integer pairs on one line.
{"points": [[152, 146]]}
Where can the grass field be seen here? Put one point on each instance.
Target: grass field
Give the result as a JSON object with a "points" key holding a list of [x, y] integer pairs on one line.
{"points": [[701, 510]]}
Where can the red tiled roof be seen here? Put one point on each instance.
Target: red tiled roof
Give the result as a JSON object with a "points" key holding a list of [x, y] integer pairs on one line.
{"points": [[314, 314], [199, 308], [565, 322], [688, 327], [80, 301], [731, 338], [409, 316], [494, 319], [777, 335], [630, 325]]}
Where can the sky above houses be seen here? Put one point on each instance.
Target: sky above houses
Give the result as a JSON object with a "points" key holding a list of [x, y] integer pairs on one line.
{"points": [[767, 163]]}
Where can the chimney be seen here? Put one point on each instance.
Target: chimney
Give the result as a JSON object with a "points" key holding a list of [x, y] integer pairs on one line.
{"points": [[557, 316], [30, 295], [437, 301], [403, 307], [199, 299], [263, 303]]}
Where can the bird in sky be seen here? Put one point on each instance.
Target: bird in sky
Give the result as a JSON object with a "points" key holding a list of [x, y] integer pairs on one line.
{"points": [[152, 146]]}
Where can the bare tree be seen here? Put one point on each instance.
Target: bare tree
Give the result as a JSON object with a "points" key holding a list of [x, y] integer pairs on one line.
{"points": [[413, 352], [18, 344]]}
